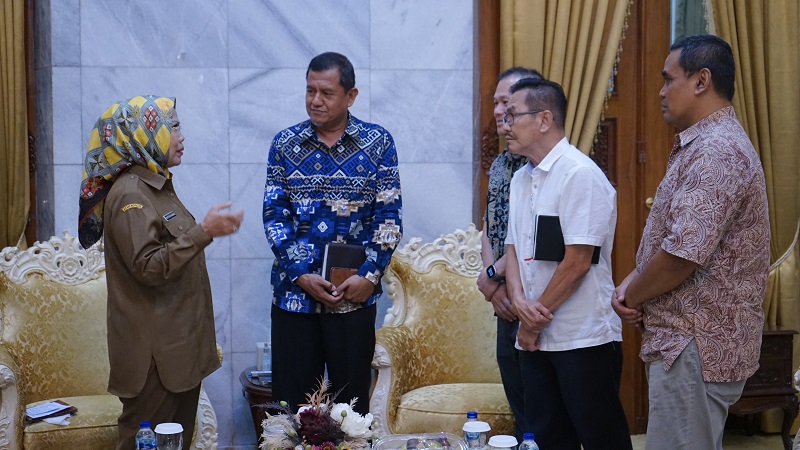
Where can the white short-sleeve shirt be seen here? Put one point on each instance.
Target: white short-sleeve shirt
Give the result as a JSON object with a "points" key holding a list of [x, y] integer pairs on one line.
{"points": [[568, 184]]}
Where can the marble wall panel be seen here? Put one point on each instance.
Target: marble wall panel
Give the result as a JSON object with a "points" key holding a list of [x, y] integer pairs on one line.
{"points": [[42, 48], [45, 205], [251, 300], [44, 116], [288, 33], [436, 199], [218, 386], [242, 430], [68, 130], [429, 113], [201, 186], [154, 34], [247, 192], [421, 34], [202, 96], [66, 32], [219, 273], [67, 185], [263, 102], [43, 140]]}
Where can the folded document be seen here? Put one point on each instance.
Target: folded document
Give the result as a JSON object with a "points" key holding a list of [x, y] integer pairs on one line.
{"points": [[45, 410]]}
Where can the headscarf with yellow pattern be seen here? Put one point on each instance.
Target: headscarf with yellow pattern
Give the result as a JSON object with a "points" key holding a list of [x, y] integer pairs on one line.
{"points": [[133, 131]]}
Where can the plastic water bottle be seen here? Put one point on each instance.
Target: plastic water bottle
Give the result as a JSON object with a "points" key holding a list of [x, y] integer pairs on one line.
{"points": [[472, 416], [476, 433], [145, 437], [528, 443]]}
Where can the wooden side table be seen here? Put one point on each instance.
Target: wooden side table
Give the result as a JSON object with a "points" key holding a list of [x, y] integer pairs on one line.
{"points": [[256, 395], [771, 385]]}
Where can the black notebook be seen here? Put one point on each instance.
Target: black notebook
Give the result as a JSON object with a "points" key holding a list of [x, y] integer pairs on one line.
{"points": [[341, 261], [549, 243]]}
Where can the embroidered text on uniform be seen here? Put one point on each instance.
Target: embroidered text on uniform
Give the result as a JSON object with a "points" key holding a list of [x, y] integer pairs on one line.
{"points": [[132, 205]]}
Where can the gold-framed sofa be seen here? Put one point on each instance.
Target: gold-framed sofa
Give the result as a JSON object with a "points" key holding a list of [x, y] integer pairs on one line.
{"points": [[435, 353], [53, 346]]}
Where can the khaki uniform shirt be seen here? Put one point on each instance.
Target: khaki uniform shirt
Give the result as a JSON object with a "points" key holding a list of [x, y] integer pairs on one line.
{"points": [[159, 295]]}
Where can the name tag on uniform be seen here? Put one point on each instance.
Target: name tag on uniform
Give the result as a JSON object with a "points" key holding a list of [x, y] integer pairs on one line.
{"points": [[169, 216]]}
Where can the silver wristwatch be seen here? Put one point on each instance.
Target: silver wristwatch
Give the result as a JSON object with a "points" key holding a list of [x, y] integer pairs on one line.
{"points": [[374, 279]]}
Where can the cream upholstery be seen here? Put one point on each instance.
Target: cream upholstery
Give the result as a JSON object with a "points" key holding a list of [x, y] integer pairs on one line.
{"points": [[435, 354], [53, 346]]}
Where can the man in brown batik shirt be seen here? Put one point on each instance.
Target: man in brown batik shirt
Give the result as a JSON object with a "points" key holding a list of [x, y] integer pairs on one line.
{"points": [[702, 265]]}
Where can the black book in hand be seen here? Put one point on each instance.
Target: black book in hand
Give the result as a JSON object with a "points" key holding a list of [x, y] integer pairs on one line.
{"points": [[549, 243], [341, 261]]}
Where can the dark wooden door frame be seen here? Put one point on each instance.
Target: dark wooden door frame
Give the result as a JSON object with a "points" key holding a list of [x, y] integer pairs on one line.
{"points": [[489, 68]]}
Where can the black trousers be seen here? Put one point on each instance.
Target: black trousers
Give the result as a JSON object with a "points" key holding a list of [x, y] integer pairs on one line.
{"points": [[572, 398], [304, 346], [511, 373]]}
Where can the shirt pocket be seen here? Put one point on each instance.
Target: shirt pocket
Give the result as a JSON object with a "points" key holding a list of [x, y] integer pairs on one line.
{"points": [[179, 224]]}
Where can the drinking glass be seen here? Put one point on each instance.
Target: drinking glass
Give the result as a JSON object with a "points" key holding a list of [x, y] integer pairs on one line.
{"points": [[169, 436]]}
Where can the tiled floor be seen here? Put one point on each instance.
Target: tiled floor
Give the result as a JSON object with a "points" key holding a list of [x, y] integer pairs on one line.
{"points": [[733, 440]]}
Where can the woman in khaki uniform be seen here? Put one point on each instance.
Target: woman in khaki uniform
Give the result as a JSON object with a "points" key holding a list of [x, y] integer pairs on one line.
{"points": [[161, 339]]}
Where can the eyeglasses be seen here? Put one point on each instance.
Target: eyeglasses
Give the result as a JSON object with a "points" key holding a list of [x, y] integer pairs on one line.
{"points": [[508, 119]]}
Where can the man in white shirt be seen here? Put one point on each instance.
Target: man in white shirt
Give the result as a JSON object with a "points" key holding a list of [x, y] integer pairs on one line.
{"points": [[570, 336]]}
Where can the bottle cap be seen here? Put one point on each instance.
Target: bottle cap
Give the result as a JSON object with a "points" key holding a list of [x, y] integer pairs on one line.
{"points": [[144, 424], [169, 428], [527, 436], [502, 441], [476, 427], [472, 414]]}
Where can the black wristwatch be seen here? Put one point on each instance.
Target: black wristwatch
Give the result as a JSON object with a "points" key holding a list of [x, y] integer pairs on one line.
{"points": [[491, 272]]}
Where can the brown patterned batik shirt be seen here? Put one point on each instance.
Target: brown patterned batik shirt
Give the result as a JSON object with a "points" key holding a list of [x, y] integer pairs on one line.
{"points": [[710, 208]]}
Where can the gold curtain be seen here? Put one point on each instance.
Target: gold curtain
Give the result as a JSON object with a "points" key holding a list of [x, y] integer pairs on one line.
{"points": [[765, 37], [572, 42], [14, 187]]}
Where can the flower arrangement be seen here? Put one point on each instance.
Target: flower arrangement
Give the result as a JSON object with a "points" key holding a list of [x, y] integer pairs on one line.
{"points": [[319, 425]]}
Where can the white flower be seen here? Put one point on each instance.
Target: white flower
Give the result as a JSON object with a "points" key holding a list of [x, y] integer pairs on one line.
{"points": [[338, 409], [357, 426]]}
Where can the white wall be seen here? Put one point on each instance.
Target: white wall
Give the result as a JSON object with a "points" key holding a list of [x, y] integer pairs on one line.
{"points": [[237, 69]]}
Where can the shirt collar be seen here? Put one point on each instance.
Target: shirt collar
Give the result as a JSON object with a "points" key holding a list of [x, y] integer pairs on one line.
{"points": [[688, 135], [551, 157], [352, 130], [153, 179]]}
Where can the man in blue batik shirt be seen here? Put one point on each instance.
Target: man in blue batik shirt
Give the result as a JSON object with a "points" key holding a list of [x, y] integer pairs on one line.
{"points": [[332, 178]]}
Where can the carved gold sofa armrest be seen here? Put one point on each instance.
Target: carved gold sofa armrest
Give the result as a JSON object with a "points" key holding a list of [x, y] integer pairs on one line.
{"points": [[12, 406], [206, 430], [399, 367]]}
